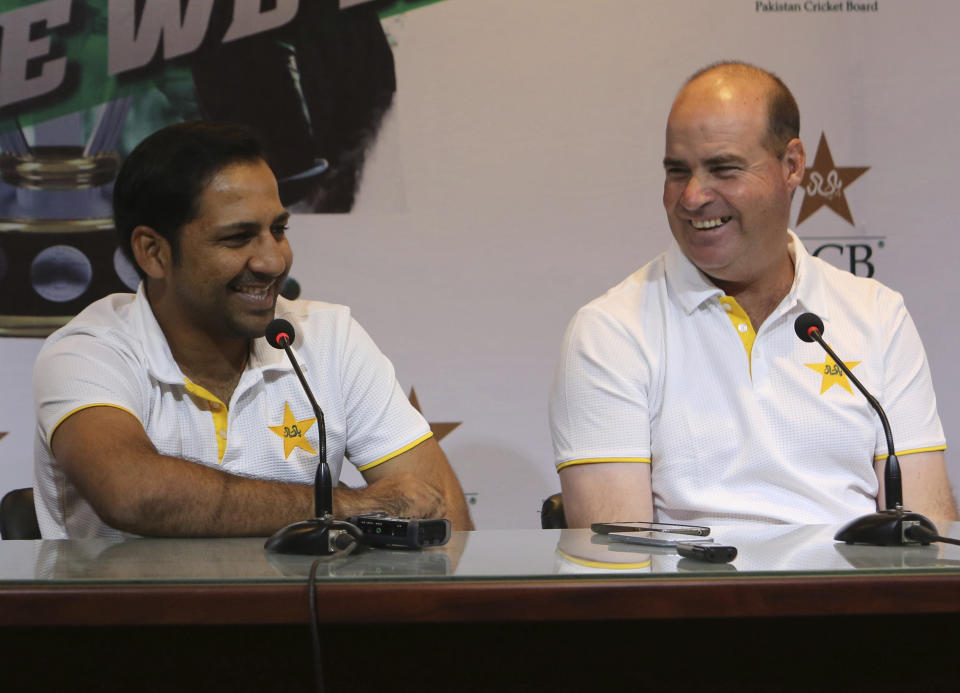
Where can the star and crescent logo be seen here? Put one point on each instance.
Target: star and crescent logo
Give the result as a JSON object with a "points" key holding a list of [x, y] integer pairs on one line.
{"points": [[293, 431], [824, 184], [833, 374]]}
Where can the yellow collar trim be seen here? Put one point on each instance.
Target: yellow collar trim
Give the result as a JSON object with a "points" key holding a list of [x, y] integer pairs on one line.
{"points": [[218, 411], [741, 323]]}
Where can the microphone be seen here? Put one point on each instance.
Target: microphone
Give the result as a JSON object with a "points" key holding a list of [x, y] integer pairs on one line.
{"points": [[886, 527], [809, 327], [280, 335], [290, 289], [312, 536]]}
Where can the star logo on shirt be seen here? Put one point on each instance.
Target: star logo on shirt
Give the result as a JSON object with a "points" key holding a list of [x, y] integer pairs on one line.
{"points": [[824, 184], [832, 374], [293, 432]]}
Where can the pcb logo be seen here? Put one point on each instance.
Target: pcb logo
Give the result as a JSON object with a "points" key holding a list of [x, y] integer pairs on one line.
{"points": [[824, 184]]}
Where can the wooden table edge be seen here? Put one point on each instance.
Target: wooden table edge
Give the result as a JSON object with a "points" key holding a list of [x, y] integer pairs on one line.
{"points": [[478, 601]]}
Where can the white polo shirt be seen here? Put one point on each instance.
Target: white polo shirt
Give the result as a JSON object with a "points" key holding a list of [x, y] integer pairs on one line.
{"points": [[115, 354], [742, 426]]}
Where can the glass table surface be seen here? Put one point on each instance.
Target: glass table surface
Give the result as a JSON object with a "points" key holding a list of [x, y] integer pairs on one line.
{"points": [[483, 555]]}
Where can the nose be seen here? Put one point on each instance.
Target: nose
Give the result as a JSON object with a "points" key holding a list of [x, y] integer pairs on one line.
{"points": [[271, 255], [695, 195]]}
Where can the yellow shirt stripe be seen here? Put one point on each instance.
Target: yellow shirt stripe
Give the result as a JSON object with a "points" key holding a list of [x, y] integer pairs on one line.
{"points": [[938, 448], [88, 406], [402, 450], [601, 460]]}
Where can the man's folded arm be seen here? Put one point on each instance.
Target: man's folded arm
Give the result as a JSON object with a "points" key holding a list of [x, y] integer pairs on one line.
{"points": [[606, 492], [416, 483], [107, 455]]}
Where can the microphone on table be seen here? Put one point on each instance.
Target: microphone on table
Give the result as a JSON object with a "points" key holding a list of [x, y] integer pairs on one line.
{"points": [[312, 536], [893, 526]]}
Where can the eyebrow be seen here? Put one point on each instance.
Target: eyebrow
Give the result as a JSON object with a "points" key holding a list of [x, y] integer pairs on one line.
{"points": [[725, 159], [252, 226], [718, 160]]}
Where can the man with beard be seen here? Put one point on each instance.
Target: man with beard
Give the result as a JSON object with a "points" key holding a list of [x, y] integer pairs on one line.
{"points": [[164, 413]]}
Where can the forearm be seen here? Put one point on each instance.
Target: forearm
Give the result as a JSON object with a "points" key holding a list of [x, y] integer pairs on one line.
{"points": [[186, 499], [418, 483], [175, 498], [404, 495], [349, 501], [457, 511], [606, 492]]}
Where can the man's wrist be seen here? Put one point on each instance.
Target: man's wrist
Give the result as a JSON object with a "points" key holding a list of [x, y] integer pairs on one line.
{"points": [[357, 501]]}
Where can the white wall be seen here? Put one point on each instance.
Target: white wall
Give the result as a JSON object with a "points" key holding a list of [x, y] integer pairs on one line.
{"points": [[518, 176]]}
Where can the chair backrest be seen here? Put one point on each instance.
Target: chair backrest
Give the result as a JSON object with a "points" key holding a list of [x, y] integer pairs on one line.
{"points": [[18, 517], [551, 513]]}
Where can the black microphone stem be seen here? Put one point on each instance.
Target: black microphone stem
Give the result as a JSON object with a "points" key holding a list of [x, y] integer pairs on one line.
{"points": [[870, 398], [893, 526], [323, 484], [892, 483]]}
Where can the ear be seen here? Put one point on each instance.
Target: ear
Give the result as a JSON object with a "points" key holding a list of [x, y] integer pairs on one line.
{"points": [[151, 251], [794, 163]]}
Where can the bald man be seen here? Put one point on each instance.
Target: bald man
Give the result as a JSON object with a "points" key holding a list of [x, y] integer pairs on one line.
{"points": [[684, 395]]}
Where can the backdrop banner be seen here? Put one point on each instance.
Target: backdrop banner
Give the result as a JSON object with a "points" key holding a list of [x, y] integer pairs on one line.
{"points": [[465, 174]]}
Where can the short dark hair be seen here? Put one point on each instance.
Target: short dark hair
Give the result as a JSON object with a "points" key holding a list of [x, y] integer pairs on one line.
{"points": [[783, 114], [160, 182]]}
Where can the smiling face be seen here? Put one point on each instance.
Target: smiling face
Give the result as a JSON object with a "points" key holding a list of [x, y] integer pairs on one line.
{"points": [[726, 194], [234, 255]]}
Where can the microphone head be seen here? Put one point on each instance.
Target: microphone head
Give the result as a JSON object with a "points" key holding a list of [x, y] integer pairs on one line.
{"points": [[806, 325], [290, 289], [280, 333]]}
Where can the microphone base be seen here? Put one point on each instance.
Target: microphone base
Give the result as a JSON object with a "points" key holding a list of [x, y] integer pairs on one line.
{"points": [[308, 538], [883, 528]]}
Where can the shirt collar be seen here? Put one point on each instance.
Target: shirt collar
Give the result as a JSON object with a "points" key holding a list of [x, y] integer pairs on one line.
{"points": [[808, 290], [686, 282], [156, 351], [160, 362], [693, 288]]}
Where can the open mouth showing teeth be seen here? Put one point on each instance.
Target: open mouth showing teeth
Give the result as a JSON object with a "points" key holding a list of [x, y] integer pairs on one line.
{"points": [[710, 223], [255, 292]]}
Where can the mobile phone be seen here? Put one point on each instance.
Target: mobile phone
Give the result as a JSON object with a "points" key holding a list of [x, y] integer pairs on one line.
{"points": [[654, 538], [667, 527], [708, 553]]}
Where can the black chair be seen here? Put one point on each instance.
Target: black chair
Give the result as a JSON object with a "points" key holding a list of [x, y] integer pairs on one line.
{"points": [[18, 517], [551, 513]]}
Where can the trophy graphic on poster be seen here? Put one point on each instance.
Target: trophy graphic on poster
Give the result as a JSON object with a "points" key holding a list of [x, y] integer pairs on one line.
{"points": [[58, 250], [323, 80]]}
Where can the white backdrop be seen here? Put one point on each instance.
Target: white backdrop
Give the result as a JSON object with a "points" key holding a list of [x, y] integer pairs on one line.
{"points": [[518, 176]]}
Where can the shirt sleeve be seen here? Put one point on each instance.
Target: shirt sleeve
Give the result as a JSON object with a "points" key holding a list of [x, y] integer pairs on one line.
{"points": [[81, 371], [908, 396], [599, 401], [381, 422]]}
